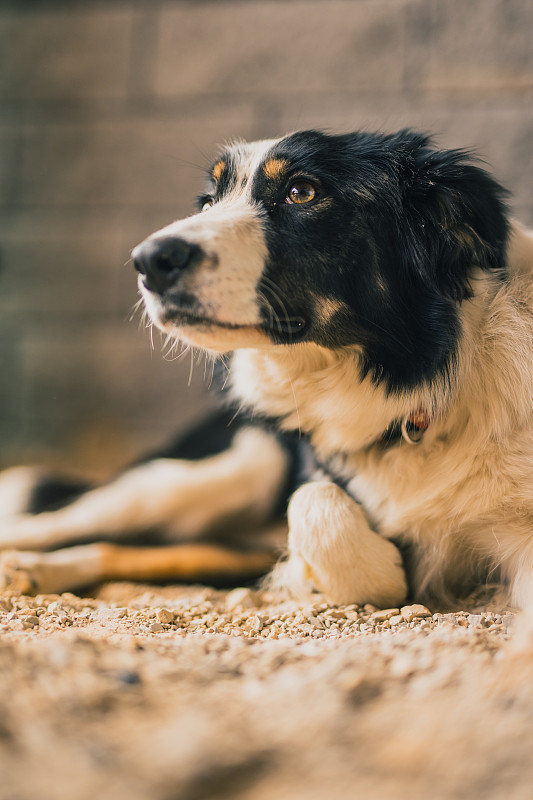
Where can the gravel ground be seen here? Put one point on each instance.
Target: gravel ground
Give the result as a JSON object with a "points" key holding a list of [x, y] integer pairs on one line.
{"points": [[190, 694]]}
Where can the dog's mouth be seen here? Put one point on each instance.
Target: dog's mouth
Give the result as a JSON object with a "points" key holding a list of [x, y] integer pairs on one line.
{"points": [[289, 327], [188, 320]]}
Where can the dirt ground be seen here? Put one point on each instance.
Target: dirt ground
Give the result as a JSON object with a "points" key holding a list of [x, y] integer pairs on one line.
{"points": [[187, 693]]}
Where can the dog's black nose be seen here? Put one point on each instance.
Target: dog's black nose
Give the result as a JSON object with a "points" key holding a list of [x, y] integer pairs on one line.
{"points": [[160, 261]]}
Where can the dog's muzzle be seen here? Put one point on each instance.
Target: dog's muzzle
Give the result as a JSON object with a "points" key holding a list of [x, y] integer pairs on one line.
{"points": [[162, 261]]}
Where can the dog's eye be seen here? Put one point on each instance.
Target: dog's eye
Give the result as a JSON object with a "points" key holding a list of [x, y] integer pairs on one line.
{"points": [[301, 192], [207, 203]]}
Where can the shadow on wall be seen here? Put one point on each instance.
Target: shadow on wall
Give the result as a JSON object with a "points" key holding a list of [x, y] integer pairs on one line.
{"points": [[109, 114]]}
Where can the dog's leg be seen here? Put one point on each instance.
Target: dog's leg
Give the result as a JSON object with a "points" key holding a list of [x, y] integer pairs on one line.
{"points": [[72, 568], [333, 549], [182, 498]]}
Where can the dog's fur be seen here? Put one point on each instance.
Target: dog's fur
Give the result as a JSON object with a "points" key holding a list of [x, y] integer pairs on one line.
{"points": [[379, 306]]}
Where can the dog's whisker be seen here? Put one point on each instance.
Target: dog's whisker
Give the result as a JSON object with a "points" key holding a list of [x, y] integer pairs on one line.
{"points": [[274, 319], [236, 414], [166, 348], [152, 346], [209, 363], [268, 307], [191, 368], [209, 368], [170, 347], [270, 287], [275, 292], [183, 349], [227, 366], [135, 308], [176, 345]]}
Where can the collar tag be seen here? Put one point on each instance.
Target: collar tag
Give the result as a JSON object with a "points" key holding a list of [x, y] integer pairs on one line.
{"points": [[414, 426]]}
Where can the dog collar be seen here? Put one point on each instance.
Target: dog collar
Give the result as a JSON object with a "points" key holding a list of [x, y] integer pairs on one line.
{"points": [[410, 428]]}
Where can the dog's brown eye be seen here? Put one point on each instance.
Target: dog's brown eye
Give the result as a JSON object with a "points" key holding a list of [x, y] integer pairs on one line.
{"points": [[301, 192]]}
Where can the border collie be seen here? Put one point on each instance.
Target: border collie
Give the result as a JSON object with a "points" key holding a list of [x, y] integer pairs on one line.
{"points": [[377, 303]]}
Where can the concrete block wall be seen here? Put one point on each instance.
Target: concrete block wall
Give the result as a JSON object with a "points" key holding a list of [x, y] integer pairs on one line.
{"points": [[110, 110]]}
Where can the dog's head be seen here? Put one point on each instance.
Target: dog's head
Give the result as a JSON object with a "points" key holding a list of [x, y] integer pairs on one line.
{"points": [[366, 240]]}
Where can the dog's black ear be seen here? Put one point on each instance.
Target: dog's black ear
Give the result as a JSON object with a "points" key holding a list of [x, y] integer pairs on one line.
{"points": [[457, 218]]}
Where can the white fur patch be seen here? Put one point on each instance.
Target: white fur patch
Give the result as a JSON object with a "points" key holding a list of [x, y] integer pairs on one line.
{"points": [[225, 283]]}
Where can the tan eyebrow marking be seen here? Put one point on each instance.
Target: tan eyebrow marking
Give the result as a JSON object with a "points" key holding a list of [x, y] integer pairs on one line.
{"points": [[275, 167], [218, 169], [327, 307]]}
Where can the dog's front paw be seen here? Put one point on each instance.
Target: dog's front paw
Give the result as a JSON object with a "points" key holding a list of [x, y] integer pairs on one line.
{"points": [[29, 572], [332, 547], [21, 572]]}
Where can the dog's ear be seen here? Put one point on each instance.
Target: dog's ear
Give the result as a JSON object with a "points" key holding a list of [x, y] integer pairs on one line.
{"points": [[457, 218]]}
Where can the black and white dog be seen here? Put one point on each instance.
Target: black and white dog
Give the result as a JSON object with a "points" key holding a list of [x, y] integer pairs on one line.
{"points": [[378, 304]]}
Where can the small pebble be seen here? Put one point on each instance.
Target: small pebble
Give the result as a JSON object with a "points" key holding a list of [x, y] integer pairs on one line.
{"points": [[387, 613], [334, 613], [156, 627], [128, 677], [56, 608], [450, 618], [416, 611], [104, 614], [306, 627], [165, 616], [496, 628]]}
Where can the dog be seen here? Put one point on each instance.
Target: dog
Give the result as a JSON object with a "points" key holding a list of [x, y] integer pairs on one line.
{"points": [[377, 303]]}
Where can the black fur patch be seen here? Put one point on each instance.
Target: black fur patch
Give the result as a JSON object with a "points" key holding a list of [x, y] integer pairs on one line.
{"points": [[52, 493], [209, 437], [391, 240], [223, 176]]}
